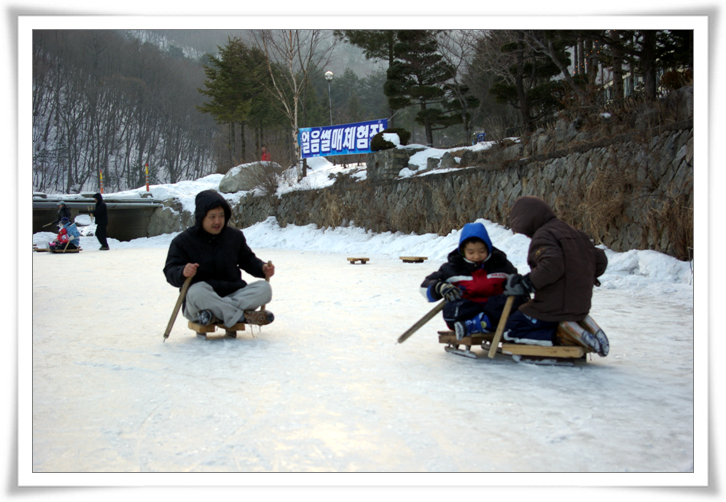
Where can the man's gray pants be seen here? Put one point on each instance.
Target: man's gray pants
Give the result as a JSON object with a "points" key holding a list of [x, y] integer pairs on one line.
{"points": [[230, 308]]}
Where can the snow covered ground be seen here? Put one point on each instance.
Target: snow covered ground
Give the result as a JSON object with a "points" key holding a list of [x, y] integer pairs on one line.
{"points": [[327, 389]]}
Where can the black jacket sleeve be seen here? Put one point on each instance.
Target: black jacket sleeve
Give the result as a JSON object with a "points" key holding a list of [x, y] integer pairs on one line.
{"points": [[248, 261], [176, 260]]}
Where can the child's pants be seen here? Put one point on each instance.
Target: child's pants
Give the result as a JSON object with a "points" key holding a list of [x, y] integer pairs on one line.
{"points": [[521, 328], [463, 310], [230, 308]]}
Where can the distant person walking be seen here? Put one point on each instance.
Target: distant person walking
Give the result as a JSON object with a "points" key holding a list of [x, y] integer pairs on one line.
{"points": [[265, 154], [101, 216], [63, 212]]}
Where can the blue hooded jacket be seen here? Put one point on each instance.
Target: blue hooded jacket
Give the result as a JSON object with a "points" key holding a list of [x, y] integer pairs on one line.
{"points": [[475, 231], [73, 233], [478, 281]]}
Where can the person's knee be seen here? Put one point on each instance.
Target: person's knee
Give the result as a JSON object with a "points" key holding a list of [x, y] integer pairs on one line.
{"points": [[198, 291], [266, 291]]}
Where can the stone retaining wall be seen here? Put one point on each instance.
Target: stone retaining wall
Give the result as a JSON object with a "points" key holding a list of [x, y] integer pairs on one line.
{"points": [[628, 191]]}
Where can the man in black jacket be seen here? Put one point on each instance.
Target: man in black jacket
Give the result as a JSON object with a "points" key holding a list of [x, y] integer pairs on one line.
{"points": [[101, 216], [213, 253]]}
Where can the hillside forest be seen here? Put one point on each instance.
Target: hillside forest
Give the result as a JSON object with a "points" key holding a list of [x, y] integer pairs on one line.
{"points": [[111, 105]]}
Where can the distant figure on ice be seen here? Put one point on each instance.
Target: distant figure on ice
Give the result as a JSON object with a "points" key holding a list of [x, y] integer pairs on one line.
{"points": [[68, 237], [63, 212], [564, 266], [101, 217], [472, 283], [265, 154], [213, 253]]}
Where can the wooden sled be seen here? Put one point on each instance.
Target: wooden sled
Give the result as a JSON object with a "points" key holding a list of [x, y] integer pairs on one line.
{"points": [[413, 259], [204, 331], [62, 251], [362, 260], [569, 349]]}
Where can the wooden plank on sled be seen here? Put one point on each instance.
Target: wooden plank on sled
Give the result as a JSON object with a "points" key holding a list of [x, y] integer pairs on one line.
{"points": [[517, 349], [476, 339]]}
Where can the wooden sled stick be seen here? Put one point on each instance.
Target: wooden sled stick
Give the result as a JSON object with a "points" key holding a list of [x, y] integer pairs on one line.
{"points": [[176, 307], [268, 280], [500, 328], [438, 308]]}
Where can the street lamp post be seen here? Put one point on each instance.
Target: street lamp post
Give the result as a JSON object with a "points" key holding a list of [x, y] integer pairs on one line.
{"points": [[329, 77]]}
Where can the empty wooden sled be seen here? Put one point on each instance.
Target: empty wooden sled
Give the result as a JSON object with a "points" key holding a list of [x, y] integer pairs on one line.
{"points": [[362, 260], [413, 259]]}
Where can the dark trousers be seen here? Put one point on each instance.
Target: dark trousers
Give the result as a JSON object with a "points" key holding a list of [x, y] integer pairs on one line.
{"points": [[522, 327], [463, 310], [101, 235]]}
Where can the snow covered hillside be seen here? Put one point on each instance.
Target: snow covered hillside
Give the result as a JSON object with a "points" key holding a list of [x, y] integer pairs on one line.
{"points": [[321, 174]]}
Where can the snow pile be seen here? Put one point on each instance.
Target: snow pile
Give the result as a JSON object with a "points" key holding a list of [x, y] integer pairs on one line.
{"points": [[184, 191], [320, 174], [637, 272], [392, 137]]}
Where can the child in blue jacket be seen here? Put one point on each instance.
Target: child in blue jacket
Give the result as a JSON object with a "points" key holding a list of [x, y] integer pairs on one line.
{"points": [[472, 283]]}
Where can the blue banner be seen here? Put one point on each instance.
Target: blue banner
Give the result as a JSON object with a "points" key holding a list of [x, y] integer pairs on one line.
{"points": [[345, 139]]}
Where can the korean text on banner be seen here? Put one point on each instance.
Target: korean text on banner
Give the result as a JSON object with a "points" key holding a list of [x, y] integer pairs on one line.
{"points": [[345, 139]]}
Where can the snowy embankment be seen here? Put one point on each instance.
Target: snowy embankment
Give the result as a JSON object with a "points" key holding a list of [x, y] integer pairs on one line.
{"points": [[635, 272], [638, 272]]}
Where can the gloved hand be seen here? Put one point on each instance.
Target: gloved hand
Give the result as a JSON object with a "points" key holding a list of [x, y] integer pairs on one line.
{"points": [[447, 291], [518, 284]]}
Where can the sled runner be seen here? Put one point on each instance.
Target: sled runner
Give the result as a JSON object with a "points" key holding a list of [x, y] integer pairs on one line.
{"points": [[203, 331], [362, 260], [413, 259]]}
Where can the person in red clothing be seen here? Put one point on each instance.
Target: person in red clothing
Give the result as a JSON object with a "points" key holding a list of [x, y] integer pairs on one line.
{"points": [[265, 154], [472, 283]]}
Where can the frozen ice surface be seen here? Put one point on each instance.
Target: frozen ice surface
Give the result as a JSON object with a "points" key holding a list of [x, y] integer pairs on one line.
{"points": [[326, 388]]}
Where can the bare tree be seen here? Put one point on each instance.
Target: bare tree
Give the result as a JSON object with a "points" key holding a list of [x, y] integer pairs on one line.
{"points": [[458, 48], [291, 56]]}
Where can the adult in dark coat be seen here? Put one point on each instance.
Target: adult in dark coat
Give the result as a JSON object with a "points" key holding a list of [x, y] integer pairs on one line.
{"points": [[564, 267], [63, 212], [213, 254], [101, 218]]}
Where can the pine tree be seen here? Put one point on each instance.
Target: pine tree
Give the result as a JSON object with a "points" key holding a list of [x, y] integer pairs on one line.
{"points": [[419, 75], [232, 86]]}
